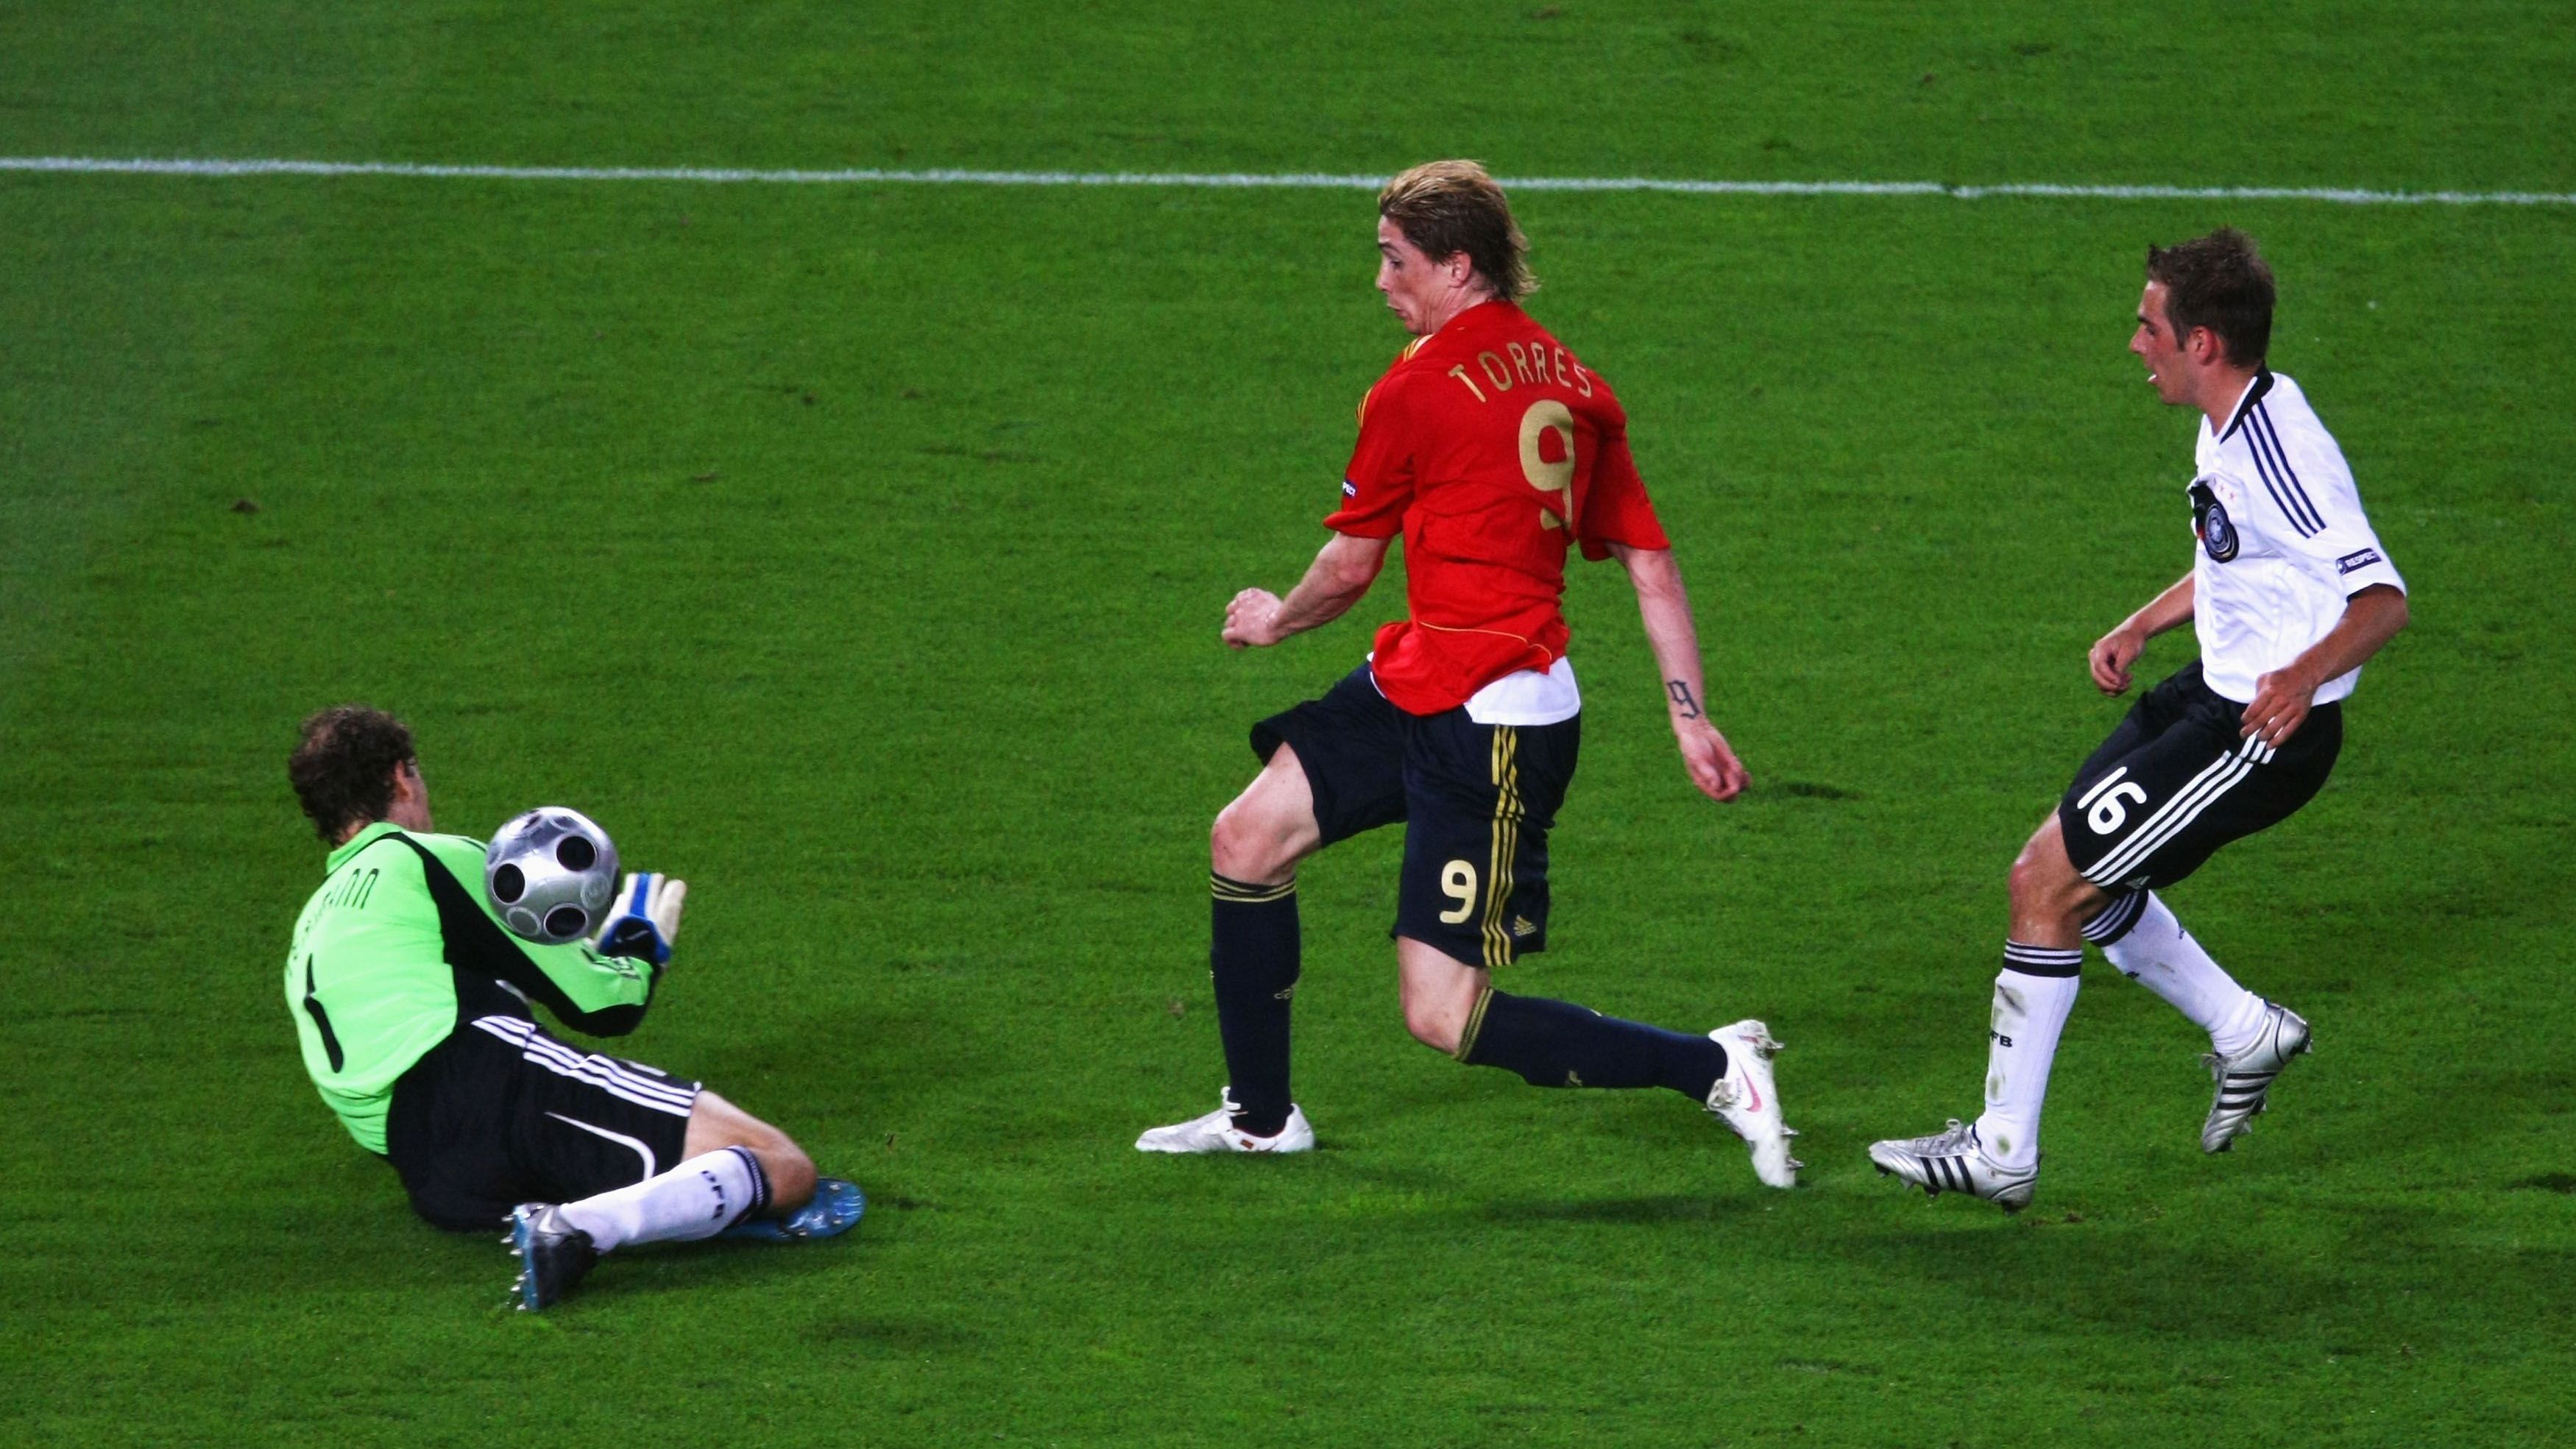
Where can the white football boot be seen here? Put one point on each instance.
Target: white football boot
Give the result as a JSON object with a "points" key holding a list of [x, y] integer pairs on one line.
{"points": [[1953, 1160], [1216, 1132], [2245, 1079], [1747, 1102]]}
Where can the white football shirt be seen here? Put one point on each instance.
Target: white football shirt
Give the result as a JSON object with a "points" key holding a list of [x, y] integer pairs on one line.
{"points": [[2283, 541]]}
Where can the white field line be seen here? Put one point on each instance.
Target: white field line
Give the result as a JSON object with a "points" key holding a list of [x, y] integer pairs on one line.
{"points": [[1304, 180]]}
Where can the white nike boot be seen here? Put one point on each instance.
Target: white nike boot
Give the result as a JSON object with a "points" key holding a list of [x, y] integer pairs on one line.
{"points": [[1746, 1100], [1216, 1132]]}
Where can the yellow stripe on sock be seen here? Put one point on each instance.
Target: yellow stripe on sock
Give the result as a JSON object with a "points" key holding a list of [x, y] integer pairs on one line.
{"points": [[1475, 1025]]}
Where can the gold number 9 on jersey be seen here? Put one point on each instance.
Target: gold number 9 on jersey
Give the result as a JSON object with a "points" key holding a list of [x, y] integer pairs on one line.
{"points": [[1549, 422]]}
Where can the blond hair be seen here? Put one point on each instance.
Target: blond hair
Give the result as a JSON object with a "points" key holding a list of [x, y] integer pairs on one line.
{"points": [[1448, 207]]}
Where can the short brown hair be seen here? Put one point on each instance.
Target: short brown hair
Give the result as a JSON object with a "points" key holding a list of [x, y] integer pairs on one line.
{"points": [[1448, 207], [2220, 282], [343, 767]]}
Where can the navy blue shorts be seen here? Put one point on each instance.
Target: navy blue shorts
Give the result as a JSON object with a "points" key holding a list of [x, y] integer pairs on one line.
{"points": [[1476, 800], [2176, 780]]}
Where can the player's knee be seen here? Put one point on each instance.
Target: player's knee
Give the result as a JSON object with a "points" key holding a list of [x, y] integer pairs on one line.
{"points": [[2040, 861], [1435, 1024], [2044, 883], [1242, 846], [2023, 880]]}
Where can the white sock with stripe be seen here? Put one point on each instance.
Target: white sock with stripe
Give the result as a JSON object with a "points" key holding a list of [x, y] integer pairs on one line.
{"points": [[2160, 955], [2033, 994], [697, 1199]]}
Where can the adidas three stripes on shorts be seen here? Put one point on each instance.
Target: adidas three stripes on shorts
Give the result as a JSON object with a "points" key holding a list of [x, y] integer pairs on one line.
{"points": [[2177, 779]]}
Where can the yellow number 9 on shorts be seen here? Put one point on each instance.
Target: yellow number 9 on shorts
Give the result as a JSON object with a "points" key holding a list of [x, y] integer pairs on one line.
{"points": [[1458, 883]]}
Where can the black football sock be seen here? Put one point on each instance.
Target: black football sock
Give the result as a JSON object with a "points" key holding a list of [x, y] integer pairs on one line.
{"points": [[1252, 953], [1560, 1044]]}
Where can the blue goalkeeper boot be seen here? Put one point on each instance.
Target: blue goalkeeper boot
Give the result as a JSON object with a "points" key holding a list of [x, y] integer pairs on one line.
{"points": [[836, 1208]]}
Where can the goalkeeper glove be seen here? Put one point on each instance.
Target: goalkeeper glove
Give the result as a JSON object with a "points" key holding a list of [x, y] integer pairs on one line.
{"points": [[647, 920]]}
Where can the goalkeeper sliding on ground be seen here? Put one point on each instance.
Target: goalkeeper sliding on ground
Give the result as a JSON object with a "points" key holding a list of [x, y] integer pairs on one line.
{"points": [[412, 1003]]}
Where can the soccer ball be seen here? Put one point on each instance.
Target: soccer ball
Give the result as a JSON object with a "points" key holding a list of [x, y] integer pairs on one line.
{"points": [[550, 874]]}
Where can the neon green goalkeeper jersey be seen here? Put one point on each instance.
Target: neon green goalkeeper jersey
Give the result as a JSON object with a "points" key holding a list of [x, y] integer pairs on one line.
{"points": [[399, 948]]}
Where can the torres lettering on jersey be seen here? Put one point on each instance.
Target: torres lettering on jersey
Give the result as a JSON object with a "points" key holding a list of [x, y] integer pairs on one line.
{"points": [[1535, 362]]}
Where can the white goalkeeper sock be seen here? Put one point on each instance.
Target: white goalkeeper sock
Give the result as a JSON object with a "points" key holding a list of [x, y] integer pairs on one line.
{"points": [[2030, 1012], [697, 1199], [2160, 955]]}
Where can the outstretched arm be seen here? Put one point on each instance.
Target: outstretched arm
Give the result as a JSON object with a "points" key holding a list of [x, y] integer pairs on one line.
{"points": [[1665, 606], [2283, 697], [1342, 571], [2113, 653]]}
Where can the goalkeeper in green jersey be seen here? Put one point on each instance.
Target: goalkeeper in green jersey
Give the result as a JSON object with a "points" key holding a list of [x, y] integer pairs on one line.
{"points": [[412, 1003]]}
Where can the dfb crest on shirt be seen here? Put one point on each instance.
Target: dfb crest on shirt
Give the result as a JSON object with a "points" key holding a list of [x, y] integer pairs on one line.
{"points": [[2209, 520]]}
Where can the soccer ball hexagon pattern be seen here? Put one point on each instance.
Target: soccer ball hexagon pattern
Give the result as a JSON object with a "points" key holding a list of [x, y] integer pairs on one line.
{"points": [[550, 874]]}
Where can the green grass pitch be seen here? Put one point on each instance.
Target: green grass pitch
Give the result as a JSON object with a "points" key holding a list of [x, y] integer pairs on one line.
{"points": [[857, 552]]}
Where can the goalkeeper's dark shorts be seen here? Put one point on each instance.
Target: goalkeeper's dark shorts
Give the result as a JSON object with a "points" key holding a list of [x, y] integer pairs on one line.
{"points": [[1476, 800], [500, 1113]]}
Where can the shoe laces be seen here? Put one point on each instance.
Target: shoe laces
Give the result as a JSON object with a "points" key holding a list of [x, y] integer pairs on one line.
{"points": [[2267, 1038], [2222, 1064]]}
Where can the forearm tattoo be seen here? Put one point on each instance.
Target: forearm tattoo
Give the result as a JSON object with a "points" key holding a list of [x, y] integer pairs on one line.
{"points": [[1681, 694]]}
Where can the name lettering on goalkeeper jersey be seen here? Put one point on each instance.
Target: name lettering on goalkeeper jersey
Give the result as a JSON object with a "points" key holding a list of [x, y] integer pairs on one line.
{"points": [[354, 891]]}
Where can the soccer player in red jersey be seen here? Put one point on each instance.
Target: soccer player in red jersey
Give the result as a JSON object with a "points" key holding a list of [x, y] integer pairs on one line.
{"points": [[1494, 451]]}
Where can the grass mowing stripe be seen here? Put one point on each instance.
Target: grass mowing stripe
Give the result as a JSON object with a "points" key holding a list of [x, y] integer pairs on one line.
{"points": [[1299, 180]]}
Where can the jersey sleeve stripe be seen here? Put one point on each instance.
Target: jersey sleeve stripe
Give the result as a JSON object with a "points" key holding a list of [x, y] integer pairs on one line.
{"points": [[2274, 462], [2277, 500], [2265, 441], [2272, 436], [2271, 484]]}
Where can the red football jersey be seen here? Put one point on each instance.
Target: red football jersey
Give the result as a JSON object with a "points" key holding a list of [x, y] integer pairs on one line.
{"points": [[1492, 449]]}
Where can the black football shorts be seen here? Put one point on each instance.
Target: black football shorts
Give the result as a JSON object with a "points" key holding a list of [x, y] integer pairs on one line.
{"points": [[2177, 780], [501, 1113], [1476, 801]]}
